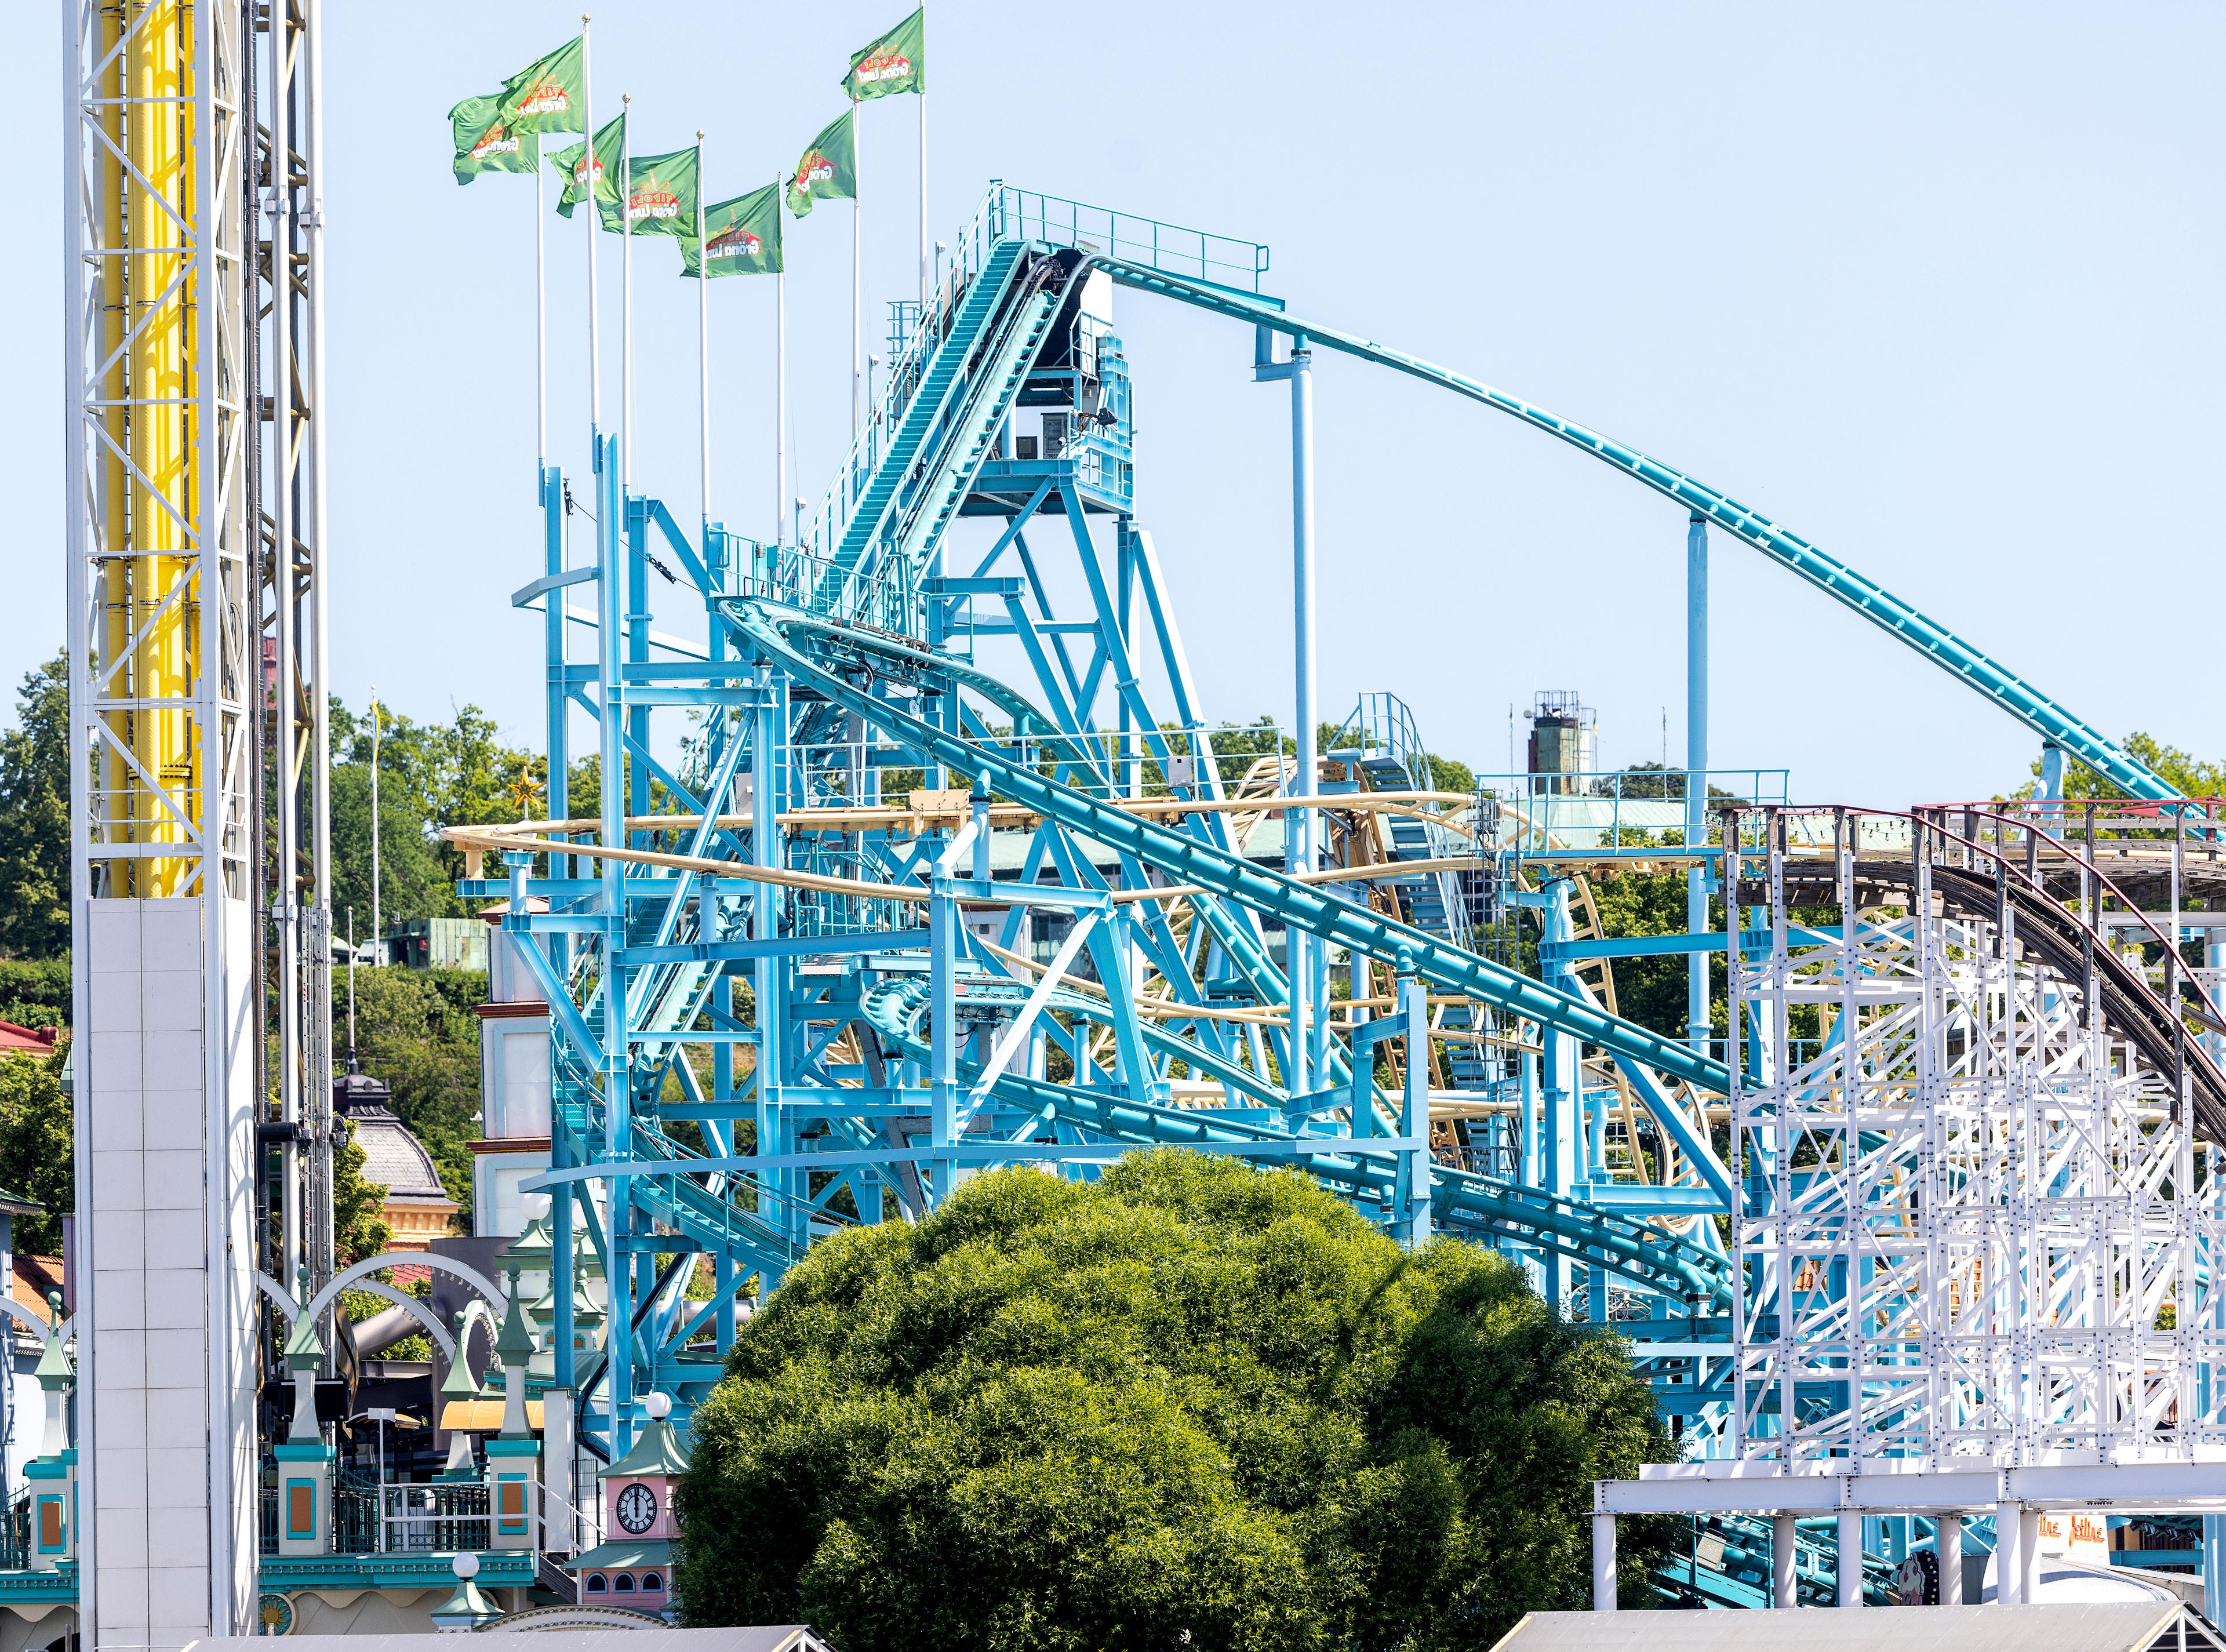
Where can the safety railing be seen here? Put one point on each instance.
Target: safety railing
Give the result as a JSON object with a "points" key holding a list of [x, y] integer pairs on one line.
{"points": [[1621, 809], [1023, 214], [1008, 214], [435, 1518], [885, 600]]}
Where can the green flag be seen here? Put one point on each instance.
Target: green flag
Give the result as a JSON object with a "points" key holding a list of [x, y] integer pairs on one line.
{"points": [[896, 62], [549, 95], [661, 195], [486, 143], [742, 236], [572, 162], [828, 170]]}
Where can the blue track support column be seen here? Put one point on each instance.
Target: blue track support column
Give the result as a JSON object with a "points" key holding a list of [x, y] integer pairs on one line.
{"points": [[1561, 1132], [1696, 771], [552, 633], [2052, 771], [767, 738], [1415, 1116], [943, 930], [2214, 1565], [1299, 824], [617, 1076]]}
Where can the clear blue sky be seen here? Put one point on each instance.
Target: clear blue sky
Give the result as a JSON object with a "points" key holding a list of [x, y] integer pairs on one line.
{"points": [[1932, 285]]}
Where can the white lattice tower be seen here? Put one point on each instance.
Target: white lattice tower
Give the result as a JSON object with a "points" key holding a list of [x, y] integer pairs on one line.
{"points": [[1969, 1232]]}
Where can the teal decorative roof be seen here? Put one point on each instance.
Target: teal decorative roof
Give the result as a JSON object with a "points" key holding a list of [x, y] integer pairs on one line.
{"points": [[304, 1349], [658, 1452], [624, 1553], [55, 1372]]}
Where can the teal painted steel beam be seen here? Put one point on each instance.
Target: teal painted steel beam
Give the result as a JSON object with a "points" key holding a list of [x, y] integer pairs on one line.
{"points": [[1232, 876], [1992, 679]]}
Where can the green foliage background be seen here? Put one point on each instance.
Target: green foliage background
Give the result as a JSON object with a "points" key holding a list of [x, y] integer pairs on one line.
{"points": [[1192, 1403]]}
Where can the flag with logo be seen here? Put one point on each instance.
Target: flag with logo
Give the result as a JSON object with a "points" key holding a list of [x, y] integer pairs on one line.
{"points": [[573, 163], [896, 62], [487, 142], [661, 195], [742, 236], [827, 170], [549, 94]]}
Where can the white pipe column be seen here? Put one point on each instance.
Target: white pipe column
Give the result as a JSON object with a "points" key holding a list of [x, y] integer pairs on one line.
{"points": [[1851, 1557], [1948, 1549], [1603, 1563], [1785, 1541], [1299, 846], [1696, 773], [2009, 1553], [2028, 1555]]}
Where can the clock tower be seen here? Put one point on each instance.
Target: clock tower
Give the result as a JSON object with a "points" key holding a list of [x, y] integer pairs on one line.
{"points": [[633, 1567]]}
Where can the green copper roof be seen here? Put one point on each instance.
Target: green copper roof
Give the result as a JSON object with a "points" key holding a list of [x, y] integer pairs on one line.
{"points": [[658, 1452], [518, 1336], [303, 1348], [56, 1371], [531, 1249]]}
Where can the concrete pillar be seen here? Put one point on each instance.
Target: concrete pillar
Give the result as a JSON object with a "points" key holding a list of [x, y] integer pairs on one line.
{"points": [[1948, 1545], [1603, 1563], [1784, 1541], [2009, 1553], [1851, 1557]]}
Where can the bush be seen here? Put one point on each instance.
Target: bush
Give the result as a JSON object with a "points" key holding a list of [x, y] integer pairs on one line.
{"points": [[1190, 1404]]}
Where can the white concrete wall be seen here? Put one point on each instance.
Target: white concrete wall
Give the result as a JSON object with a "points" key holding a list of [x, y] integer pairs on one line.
{"points": [[168, 1409]]}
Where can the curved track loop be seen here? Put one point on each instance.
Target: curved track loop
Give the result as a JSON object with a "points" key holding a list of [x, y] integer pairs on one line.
{"points": [[1873, 602], [1228, 876], [2129, 1005]]}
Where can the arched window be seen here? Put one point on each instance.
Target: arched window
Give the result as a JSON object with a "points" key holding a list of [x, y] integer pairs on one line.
{"points": [[652, 1584], [625, 1583], [597, 1584]]}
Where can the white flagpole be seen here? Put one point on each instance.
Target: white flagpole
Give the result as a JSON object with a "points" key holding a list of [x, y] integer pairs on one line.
{"points": [[540, 317], [781, 401], [594, 307], [626, 300], [703, 343], [923, 205], [857, 239]]}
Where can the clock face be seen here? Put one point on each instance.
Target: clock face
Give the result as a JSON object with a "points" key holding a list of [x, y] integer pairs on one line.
{"points": [[637, 1509]]}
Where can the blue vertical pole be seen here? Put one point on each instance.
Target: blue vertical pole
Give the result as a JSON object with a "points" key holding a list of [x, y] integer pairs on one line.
{"points": [[766, 752], [2052, 771], [1696, 773], [557, 801], [1561, 1124], [1298, 847], [1415, 1116], [611, 825]]}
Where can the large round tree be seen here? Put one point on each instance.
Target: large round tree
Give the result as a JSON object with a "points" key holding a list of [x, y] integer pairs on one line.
{"points": [[1190, 1404]]}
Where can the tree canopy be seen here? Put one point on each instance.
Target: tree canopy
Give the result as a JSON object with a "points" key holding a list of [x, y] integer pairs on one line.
{"points": [[35, 870], [1192, 1403]]}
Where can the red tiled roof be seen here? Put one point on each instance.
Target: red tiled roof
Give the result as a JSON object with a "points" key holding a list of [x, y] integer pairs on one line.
{"points": [[38, 1041]]}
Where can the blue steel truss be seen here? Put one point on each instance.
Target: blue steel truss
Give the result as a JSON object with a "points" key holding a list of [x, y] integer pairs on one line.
{"points": [[919, 917]]}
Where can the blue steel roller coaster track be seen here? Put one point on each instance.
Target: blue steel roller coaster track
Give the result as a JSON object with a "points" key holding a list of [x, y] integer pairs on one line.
{"points": [[756, 1211]]}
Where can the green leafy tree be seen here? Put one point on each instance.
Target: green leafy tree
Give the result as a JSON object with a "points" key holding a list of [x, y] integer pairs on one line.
{"points": [[1191, 1403], [36, 992], [35, 870], [34, 1146], [416, 1031], [357, 1229], [2191, 775]]}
